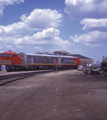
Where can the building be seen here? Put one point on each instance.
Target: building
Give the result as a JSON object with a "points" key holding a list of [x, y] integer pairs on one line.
{"points": [[84, 60]]}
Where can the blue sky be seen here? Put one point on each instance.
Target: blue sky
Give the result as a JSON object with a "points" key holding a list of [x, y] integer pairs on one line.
{"points": [[77, 26]]}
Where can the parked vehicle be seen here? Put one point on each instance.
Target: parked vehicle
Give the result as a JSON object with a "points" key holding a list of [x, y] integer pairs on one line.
{"points": [[94, 71], [80, 67]]}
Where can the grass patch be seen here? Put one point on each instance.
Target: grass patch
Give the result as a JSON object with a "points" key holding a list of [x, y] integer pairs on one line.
{"points": [[101, 83]]}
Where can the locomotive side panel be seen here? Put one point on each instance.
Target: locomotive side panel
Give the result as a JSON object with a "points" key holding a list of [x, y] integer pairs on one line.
{"points": [[39, 61], [67, 62], [28, 60], [5, 59], [23, 56], [10, 59]]}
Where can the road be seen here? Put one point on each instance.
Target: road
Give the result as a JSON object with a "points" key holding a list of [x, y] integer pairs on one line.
{"points": [[66, 95]]}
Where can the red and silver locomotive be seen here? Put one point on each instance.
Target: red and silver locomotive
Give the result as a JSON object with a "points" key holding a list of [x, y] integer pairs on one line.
{"points": [[36, 61], [28, 61], [11, 59]]}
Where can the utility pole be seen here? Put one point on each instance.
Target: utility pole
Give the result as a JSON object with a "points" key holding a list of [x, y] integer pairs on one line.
{"points": [[97, 63]]}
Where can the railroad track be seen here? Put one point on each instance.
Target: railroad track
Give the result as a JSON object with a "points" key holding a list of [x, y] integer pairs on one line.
{"points": [[5, 79]]}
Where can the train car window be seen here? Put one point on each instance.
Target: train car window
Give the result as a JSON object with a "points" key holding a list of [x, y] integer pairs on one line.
{"points": [[67, 60], [28, 59], [62, 60], [45, 58], [51, 59], [70, 60], [37, 58], [5, 55]]}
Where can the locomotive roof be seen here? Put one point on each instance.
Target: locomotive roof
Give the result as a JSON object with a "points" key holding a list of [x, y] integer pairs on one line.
{"points": [[7, 52], [1, 51], [47, 55], [66, 56], [38, 54]]}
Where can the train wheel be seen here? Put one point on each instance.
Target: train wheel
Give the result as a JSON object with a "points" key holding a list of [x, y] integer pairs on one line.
{"points": [[37, 67], [7, 68], [13, 68]]}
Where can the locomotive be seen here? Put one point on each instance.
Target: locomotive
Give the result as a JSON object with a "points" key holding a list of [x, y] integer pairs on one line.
{"points": [[11, 59], [28, 61], [37, 61]]}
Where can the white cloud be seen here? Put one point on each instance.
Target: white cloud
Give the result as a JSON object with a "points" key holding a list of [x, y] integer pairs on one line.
{"points": [[4, 3], [38, 19], [43, 18], [47, 34], [86, 8], [77, 49], [24, 35], [94, 38], [48, 38], [15, 28], [94, 24], [37, 48]]}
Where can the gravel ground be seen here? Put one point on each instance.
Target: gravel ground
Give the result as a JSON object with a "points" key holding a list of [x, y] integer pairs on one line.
{"points": [[66, 95]]}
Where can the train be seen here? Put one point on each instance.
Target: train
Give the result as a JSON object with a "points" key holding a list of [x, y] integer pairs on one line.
{"points": [[28, 61]]}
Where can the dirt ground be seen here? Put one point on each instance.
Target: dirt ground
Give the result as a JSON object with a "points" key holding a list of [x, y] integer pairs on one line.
{"points": [[66, 95]]}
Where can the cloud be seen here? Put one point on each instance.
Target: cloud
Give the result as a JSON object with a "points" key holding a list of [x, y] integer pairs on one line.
{"points": [[43, 18], [94, 15], [94, 38], [48, 38], [94, 24], [38, 48], [15, 28], [47, 34], [4, 3], [35, 31], [86, 8], [38, 19], [77, 49]]}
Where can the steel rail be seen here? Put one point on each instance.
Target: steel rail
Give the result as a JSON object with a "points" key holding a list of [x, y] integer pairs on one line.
{"points": [[24, 75], [20, 76]]}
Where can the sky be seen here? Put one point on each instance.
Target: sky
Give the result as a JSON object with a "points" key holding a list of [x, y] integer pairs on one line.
{"points": [[75, 26]]}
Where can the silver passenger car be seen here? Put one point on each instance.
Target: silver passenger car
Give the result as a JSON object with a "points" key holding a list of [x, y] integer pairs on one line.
{"points": [[37, 61]]}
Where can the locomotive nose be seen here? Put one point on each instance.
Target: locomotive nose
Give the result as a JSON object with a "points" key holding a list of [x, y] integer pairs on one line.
{"points": [[20, 59]]}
